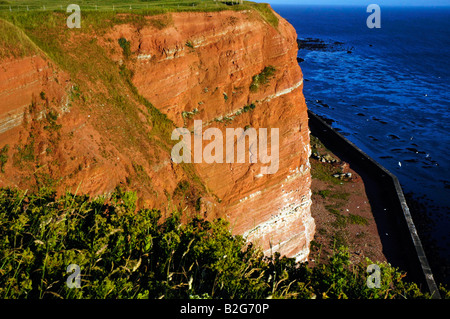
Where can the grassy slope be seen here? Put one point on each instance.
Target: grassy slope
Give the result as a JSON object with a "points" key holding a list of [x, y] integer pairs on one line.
{"points": [[92, 71], [14, 42]]}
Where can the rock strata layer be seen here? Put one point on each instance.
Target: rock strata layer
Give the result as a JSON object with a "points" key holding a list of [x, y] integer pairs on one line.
{"points": [[229, 69]]}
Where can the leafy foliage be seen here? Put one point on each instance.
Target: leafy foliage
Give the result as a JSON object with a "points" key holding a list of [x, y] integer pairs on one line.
{"points": [[123, 252], [262, 78], [125, 45]]}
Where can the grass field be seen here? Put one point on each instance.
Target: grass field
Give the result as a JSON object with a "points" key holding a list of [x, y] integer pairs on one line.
{"points": [[143, 7], [24, 5]]}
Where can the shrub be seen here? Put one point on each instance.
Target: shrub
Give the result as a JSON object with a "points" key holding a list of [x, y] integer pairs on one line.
{"points": [[248, 107], [262, 78], [3, 157], [127, 253], [126, 47]]}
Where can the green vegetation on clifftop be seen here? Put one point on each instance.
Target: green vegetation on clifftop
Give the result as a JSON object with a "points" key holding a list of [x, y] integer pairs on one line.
{"points": [[142, 7]]}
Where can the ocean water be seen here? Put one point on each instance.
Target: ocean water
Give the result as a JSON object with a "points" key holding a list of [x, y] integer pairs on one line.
{"points": [[390, 95]]}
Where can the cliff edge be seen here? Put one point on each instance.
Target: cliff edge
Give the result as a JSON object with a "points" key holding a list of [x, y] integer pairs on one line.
{"points": [[87, 110]]}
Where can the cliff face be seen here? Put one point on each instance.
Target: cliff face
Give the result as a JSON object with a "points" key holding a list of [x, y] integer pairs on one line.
{"points": [[22, 79], [202, 66]]}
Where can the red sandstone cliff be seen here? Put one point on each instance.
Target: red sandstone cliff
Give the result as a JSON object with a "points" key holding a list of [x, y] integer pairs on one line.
{"points": [[198, 67]]}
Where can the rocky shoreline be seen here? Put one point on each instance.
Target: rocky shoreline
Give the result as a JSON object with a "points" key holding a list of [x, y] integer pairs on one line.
{"points": [[314, 44]]}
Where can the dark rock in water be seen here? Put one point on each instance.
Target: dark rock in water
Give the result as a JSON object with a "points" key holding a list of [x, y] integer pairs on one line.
{"points": [[385, 157], [411, 160], [393, 136], [414, 150], [360, 114], [349, 51], [432, 161], [378, 120], [314, 44], [373, 138], [311, 44], [300, 60], [329, 121], [326, 120], [321, 103]]}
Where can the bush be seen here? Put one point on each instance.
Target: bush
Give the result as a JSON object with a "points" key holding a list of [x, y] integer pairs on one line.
{"points": [[262, 78], [126, 47], [123, 252], [3, 157]]}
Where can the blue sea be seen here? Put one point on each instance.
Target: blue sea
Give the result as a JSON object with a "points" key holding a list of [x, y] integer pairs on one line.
{"points": [[390, 96]]}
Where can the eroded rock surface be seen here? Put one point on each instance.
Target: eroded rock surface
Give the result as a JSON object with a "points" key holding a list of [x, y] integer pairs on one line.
{"points": [[200, 66]]}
